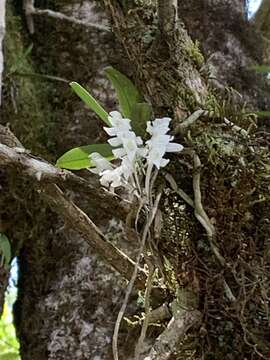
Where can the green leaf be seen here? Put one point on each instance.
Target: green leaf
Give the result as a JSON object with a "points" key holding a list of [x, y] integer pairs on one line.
{"points": [[90, 102], [127, 93], [5, 250], [140, 114], [261, 69], [263, 113], [10, 356], [78, 158]]}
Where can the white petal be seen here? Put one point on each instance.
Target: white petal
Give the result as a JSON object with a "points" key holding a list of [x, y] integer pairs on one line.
{"points": [[95, 156], [111, 177], [139, 140], [105, 178], [155, 156], [94, 170], [161, 126], [118, 153], [129, 145], [149, 127], [110, 131], [174, 147], [142, 152], [100, 163], [115, 141], [164, 162], [159, 140], [162, 121], [115, 115]]}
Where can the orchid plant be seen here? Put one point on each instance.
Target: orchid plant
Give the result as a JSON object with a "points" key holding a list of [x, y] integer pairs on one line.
{"points": [[137, 145], [137, 159]]}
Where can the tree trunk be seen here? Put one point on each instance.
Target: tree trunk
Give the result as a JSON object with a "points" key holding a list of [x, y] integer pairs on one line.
{"points": [[67, 297], [214, 246], [231, 45]]}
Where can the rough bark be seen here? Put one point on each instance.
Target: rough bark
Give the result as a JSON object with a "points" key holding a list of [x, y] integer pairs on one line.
{"points": [[2, 35], [74, 295], [231, 45], [178, 81], [59, 312], [261, 23], [215, 200]]}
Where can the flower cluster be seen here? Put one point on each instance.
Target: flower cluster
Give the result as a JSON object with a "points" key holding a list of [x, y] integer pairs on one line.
{"points": [[132, 152]]}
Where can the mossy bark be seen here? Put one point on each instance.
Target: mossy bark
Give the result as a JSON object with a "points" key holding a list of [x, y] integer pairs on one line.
{"points": [[68, 300], [67, 297]]}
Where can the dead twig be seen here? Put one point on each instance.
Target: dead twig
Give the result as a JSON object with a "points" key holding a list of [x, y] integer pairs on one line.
{"points": [[166, 344], [147, 309], [30, 10], [183, 127], [134, 275], [205, 221]]}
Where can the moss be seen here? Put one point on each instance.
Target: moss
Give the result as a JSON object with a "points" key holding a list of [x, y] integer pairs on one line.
{"points": [[194, 54], [26, 106]]}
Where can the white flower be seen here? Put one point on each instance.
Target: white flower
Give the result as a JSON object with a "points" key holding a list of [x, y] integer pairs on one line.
{"points": [[155, 157], [158, 126], [130, 143], [119, 124], [123, 136], [118, 176], [100, 163], [160, 143], [130, 149], [128, 168], [112, 178]]}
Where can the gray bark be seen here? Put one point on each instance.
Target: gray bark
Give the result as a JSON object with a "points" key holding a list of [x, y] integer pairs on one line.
{"points": [[231, 44], [2, 35], [75, 296], [68, 298]]}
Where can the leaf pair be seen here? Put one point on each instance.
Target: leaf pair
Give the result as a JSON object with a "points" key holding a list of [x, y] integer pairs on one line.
{"points": [[131, 106]]}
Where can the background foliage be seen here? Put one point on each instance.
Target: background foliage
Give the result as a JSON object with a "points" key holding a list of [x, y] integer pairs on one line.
{"points": [[9, 347]]}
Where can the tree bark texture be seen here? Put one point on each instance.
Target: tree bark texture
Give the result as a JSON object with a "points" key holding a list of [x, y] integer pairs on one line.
{"points": [[215, 244], [231, 45], [68, 298]]}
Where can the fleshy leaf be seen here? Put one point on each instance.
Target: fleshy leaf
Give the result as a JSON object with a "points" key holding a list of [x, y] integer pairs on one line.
{"points": [[90, 102], [140, 114], [78, 158], [127, 93], [10, 356], [5, 250]]}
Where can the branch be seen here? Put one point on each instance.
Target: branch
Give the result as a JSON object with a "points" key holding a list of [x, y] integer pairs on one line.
{"points": [[81, 223], [41, 171], [45, 177], [30, 10], [2, 35], [167, 343]]}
